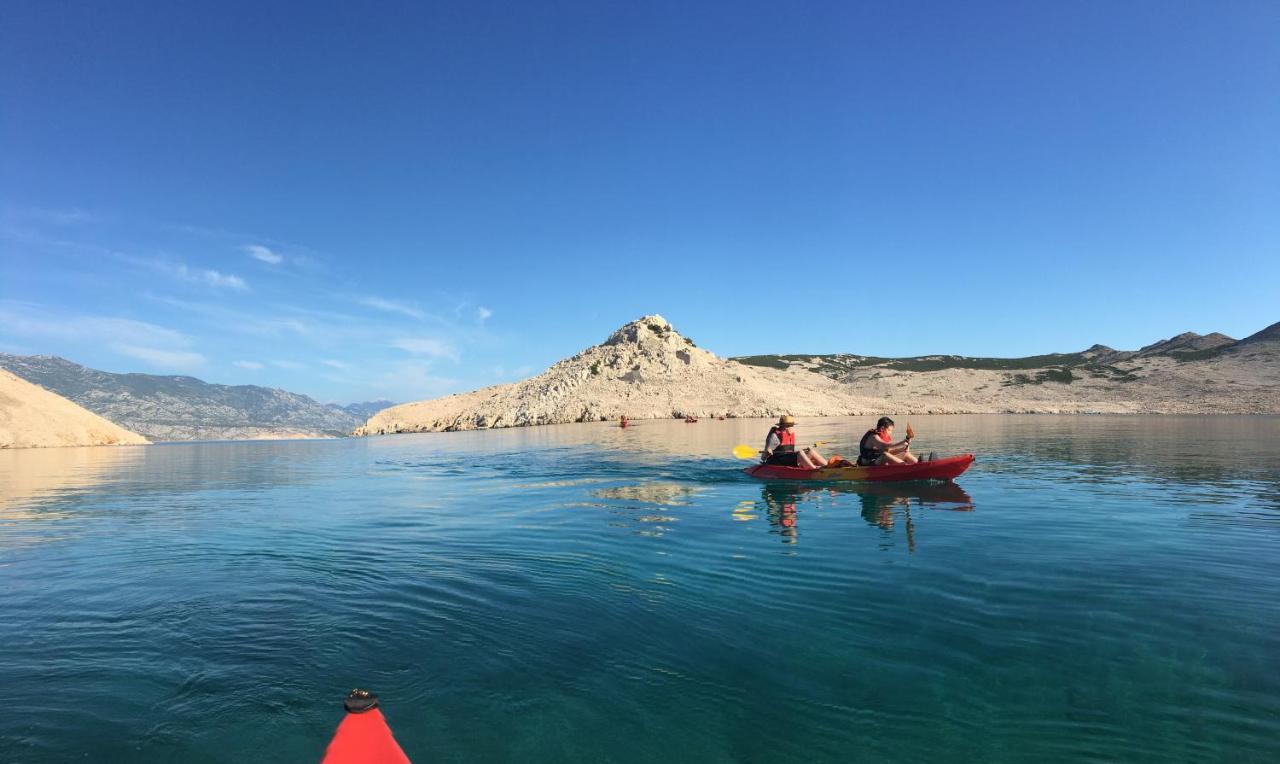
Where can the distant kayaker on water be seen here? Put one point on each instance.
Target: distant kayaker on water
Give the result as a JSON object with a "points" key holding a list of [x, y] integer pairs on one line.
{"points": [[780, 447], [877, 446]]}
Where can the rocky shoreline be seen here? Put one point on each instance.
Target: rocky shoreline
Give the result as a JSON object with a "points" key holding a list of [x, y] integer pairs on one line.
{"points": [[647, 370]]}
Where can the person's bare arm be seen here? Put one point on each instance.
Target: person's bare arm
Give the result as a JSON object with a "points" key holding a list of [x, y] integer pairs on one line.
{"points": [[771, 443]]}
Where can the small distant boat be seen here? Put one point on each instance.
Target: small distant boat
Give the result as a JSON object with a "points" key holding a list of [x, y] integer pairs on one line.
{"points": [[690, 419]]}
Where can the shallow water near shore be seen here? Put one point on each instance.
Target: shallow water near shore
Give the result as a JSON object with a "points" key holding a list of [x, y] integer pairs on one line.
{"points": [[1094, 588]]}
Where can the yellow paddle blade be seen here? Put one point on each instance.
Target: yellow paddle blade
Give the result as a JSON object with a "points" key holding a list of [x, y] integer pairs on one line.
{"points": [[910, 432], [746, 452]]}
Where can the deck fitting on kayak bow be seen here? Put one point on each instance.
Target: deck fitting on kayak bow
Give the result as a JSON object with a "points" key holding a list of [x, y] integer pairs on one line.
{"points": [[363, 736], [358, 701]]}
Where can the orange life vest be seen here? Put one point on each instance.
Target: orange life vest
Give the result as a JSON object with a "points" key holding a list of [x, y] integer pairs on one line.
{"points": [[786, 440]]}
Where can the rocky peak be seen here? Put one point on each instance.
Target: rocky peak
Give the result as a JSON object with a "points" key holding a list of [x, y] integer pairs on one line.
{"points": [[1172, 342], [649, 332], [1187, 342]]}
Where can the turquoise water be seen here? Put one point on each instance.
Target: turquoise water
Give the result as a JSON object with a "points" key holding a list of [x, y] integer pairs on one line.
{"points": [[1094, 589]]}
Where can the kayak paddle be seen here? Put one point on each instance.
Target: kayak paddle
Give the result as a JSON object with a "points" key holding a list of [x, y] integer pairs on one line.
{"points": [[747, 452]]}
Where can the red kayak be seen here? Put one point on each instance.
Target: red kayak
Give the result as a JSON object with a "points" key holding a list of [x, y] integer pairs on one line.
{"points": [[938, 469], [363, 737]]}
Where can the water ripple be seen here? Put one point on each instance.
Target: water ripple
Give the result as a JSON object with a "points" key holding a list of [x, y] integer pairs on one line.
{"points": [[1091, 590]]}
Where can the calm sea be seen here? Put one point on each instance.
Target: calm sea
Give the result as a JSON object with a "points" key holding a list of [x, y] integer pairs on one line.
{"points": [[1094, 589]]}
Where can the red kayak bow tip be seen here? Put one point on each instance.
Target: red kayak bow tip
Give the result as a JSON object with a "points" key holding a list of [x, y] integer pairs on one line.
{"points": [[363, 737]]}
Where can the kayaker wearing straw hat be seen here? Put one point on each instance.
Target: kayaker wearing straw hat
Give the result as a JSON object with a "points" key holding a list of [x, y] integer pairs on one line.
{"points": [[780, 447]]}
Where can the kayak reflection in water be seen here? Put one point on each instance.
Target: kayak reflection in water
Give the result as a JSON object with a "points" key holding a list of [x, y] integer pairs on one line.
{"points": [[780, 447], [878, 511], [878, 503], [780, 506]]}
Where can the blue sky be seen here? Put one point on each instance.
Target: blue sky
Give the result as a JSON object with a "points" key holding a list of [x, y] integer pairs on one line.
{"points": [[399, 201]]}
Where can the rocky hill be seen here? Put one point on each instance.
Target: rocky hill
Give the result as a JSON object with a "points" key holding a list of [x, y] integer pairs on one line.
{"points": [[1189, 373], [644, 370], [32, 417], [184, 408]]}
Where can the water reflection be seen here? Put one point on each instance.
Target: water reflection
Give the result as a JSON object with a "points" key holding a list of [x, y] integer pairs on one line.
{"points": [[53, 494], [663, 494], [880, 504], [1190, 449], [31, 476]]}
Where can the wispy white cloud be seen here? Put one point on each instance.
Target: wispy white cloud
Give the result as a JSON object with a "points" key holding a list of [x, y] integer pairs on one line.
{"points": [[26, 319], [207, 276], [483, 313], [311, 260], [502, 372], [55, 217], [184, 360], [431, 347], [30, 236], [250, 365], [259, 252], [157, 346], [183, 272], [335, 364], [411, 381], [229, 319], [393, 306]]}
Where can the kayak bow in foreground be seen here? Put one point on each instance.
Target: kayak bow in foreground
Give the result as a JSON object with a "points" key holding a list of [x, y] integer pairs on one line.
{"points": [[938, 469], [363, 737]]}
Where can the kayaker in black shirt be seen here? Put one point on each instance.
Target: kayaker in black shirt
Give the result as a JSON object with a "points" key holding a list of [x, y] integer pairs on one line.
{"points": [[877, 446], [780, 447]]}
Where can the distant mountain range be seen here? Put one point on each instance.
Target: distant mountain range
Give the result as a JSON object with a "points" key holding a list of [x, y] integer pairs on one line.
{"points": [[186, 408], [363, 411]]}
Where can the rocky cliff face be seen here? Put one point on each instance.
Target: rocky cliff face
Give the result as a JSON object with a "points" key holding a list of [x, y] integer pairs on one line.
{"points": [[183, 408], [32, 417], [644, 370]]}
